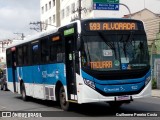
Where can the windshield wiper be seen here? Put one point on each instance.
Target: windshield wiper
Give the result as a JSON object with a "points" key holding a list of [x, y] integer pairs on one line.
{"points": [[88, 50], [125, 42]]}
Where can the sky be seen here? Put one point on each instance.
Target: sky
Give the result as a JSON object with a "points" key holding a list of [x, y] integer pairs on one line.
{"points": [[15, 15]]}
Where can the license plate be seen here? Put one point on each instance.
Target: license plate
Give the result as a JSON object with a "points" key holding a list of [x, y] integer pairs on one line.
{"points": [[125, 97]]}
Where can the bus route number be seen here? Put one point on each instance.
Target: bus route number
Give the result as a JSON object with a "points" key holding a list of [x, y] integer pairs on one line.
{"points": [[94, 26]]}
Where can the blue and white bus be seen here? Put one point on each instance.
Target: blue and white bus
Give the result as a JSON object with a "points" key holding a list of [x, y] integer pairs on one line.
{"points": [[91, 60]]}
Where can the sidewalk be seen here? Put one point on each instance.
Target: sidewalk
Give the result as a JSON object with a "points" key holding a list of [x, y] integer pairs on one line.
{"points": [[156, 93]]}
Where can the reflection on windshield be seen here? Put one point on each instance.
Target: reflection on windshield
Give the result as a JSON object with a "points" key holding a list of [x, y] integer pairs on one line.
{"points": [[114, 52]]}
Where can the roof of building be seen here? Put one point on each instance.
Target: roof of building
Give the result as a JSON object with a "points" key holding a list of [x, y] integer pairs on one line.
{"points": [[128, 15]]}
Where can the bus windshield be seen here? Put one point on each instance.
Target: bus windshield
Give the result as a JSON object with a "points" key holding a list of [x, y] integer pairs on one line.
{"points": [[106, 52]]}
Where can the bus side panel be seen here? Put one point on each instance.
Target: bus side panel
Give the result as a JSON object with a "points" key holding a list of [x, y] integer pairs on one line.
{"points": [[10, 81], [36, 78]]}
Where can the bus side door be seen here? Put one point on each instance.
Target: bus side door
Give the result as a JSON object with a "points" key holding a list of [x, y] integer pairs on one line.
{"points": [[70, 50], [13, 68]]}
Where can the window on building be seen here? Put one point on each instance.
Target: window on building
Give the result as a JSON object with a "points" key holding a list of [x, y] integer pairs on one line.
{"points": [[46, 23], [50, 20], [54, 18], [67, 11], [49, 5], [42, 9], [63, 14], [53, 3], [72, 7], [46, 7]]}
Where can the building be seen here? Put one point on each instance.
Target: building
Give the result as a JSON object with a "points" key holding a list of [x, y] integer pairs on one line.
{"points": [[152, 25], [3, 45], [151, 21], [50, 13], [61, 12]]}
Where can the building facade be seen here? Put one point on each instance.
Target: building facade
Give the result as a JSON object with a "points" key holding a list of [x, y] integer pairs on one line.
{"points": [[3, 45], [151, 21], [50, 14], [61, 12]]}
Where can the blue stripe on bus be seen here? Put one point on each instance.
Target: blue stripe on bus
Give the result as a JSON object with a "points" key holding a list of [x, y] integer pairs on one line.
{"points": [[40, 74], [118, 86], [112, 82]]}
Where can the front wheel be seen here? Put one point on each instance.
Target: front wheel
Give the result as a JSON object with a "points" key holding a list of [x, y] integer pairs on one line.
{"points": [[65, 105]]}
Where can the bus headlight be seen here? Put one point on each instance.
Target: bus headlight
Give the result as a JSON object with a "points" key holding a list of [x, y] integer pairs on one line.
{"points": [[89, 83], [147, 80]]}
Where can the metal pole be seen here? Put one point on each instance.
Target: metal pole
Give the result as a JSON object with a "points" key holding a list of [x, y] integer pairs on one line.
{"points": [[79, 10], [127, 8], [23, 36]]}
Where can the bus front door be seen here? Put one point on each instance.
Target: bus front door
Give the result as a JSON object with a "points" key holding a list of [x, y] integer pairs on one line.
{"points": [[70, 67], [13, 56]]}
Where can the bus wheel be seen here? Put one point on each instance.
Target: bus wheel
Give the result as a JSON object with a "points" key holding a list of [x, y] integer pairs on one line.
{"points": [[23, 91], [62, 97]]}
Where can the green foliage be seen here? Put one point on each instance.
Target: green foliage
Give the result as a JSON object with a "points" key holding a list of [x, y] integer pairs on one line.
{"points": [[154, 83]]}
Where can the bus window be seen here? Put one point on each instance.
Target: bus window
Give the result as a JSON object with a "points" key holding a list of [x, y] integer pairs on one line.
{"points": [[44, 51], [20, 56], [35, 54], [26, 54], [56, 51]]}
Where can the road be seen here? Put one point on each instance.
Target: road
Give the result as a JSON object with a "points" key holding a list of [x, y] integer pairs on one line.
{"points": [[94, 111]]}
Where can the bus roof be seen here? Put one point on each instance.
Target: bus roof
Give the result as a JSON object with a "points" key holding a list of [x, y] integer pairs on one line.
{"points": [[43, 34], [34, 37]]}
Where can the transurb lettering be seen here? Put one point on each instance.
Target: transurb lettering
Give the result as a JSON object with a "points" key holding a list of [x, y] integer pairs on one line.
{"points": [[101, 64], [46, 75]]}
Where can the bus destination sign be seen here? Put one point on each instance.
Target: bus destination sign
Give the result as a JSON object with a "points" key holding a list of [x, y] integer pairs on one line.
{"points": [[96, 26]]}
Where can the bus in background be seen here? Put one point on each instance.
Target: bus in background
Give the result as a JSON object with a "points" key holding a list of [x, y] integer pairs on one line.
{"points": [[91, 60]]}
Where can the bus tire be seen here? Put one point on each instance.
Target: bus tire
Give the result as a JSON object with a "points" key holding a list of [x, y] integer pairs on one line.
{"points": [[23, 92], [65, 105]]}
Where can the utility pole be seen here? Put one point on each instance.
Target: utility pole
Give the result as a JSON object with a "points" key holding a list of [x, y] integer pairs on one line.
{"points": [[79, 10], [3, 43], [39, 25], [22, 35]]}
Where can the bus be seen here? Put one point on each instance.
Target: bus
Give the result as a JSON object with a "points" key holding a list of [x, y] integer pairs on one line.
{"points": [[90, 60]]}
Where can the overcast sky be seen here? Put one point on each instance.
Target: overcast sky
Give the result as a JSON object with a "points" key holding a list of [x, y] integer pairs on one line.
{"points": [[15, 15]]}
